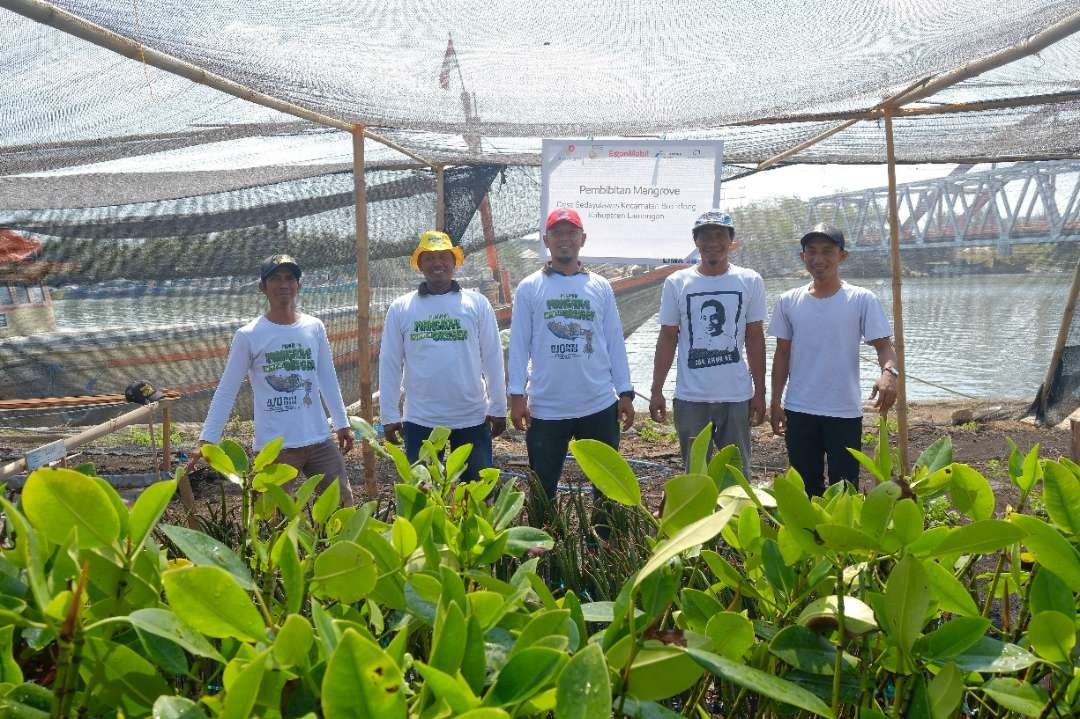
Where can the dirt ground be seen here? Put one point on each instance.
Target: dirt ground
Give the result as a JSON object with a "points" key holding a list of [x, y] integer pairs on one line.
{"points": [[979, 440]]}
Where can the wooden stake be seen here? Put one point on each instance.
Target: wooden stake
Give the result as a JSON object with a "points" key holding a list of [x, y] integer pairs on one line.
{"points": [[166, 447], [1074, 431], [897, 302], [1059, 345], [440, 197], [363, 304]]}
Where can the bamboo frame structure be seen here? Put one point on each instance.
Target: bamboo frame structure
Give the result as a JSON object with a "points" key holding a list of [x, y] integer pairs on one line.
{"points": [[440, 197], [897, 303], [363, 304]]}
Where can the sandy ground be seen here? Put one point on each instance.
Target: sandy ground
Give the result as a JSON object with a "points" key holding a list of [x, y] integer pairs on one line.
{"points": [[979, 442]]}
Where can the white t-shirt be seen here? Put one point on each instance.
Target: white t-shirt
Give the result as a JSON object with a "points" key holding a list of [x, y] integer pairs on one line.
{"points": [[711, 312], [825, 335], [447, 346], [566, 345], [289, 367]]}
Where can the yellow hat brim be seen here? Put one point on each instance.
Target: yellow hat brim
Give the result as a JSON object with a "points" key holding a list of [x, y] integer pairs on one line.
{"points": [[459, 256]]}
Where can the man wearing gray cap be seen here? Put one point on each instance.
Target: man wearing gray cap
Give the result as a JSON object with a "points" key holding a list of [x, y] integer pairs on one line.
{"points": [[286, 356], [711, 313], [818, 329]]}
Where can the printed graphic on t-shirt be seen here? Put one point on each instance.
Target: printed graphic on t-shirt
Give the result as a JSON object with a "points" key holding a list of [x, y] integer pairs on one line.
{"points": [[440, 327], [570, 319], [292, 358], [713, 318]]}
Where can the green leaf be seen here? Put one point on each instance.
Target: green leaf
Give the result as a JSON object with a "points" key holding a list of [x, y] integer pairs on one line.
{"points": [[981, 537], [1052, 636], [206, 551], [268, 454], [242, 688], [878, 507], [327, 502], [698, 608], [220, 460], [164, 623], [937, 455], [692, 535], [173, 707], [285, 556], [794, 505], [658, 671], [583, 690], [58, 500], [274, 475], [1031, 470], [723, 461], [951, 638], [971, 493], [993, 656], [883, 456], [823, 615], [345, 572], [948, 591], [121, 678], [761, 682], [639, 709], [908, 521], [546, 623], [448, 639], [687, 498], [658, 590], [945, 692], [521, 539], [1061, 492], [732, 634], [847, 539], [1051, 549], [10, 673], [149, 506], [1049, 593], [778, 574], [362, 681], [1016, 695], [607, 470], [237, 454], [805, 650], [524, 675], [907, 599], [213, 602], [28, 549], [699, 450], [293, 641], [449, 688]]}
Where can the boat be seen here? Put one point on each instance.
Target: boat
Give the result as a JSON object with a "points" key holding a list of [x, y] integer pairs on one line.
{"points": [[188, 358]]}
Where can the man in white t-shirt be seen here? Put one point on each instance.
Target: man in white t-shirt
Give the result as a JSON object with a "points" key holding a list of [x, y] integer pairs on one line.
{"points": [[819, 328], [710, 312], [286, 356], [443, 342], [568, 373]]}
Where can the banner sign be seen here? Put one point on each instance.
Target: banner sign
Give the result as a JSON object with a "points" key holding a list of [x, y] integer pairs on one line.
{"points": [[638, 199]]}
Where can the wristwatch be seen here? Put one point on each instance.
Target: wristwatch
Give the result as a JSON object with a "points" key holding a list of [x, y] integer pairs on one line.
{"points": [[628, 394], [891, 370]]}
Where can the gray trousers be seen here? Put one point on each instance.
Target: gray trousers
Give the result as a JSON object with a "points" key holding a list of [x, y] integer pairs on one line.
{"points": [[323, 458], [731, 425]]}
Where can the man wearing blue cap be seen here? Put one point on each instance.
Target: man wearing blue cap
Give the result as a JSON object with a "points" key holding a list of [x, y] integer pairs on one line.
{"points": [[711, 313], [286, 356], [818, 329]]}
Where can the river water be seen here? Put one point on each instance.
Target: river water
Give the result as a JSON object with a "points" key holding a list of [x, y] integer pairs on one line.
{"points": [[984, 336]]}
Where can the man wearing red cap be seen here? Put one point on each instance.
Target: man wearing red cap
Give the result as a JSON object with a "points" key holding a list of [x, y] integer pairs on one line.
{"points": [[569, 376]]}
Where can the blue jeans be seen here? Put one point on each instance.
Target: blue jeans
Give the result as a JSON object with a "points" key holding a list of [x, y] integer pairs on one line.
{"points": [[479, 437], [548, 439]]}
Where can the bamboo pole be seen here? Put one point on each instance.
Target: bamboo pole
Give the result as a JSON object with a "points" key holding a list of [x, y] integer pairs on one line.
{"points": [[363, 304], [805, 144], [89, 435], [897, 302], [1059, 345], [440, 197], [46, 14], [948, 108]]}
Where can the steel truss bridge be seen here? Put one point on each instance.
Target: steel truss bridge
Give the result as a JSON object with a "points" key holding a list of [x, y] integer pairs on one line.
{"points": [[1026, 203]]}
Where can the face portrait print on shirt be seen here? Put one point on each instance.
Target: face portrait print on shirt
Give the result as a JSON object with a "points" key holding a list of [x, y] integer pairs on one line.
{"points": [[713, 318], [282, 368], [569, 319]]}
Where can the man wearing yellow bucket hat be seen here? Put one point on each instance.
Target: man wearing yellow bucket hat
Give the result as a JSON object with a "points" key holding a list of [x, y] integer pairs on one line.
{"points": [[441, 342]]}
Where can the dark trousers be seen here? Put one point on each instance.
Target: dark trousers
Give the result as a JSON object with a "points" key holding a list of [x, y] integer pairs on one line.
{"points": [[548, 439], [813, 438], [479, 437]]}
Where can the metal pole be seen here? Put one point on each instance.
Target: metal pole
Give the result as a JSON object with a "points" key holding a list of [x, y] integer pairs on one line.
{"points": [[363, 302], [897, 302]]}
